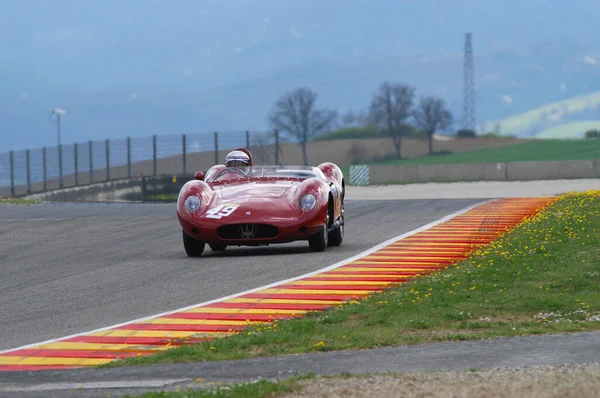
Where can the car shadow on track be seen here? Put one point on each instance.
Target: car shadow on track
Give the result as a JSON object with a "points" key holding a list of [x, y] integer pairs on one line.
{"points": [[257, 251], [283, 250]]}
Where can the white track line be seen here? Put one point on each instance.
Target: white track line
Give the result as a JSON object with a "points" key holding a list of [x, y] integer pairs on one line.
{"points": [[336, 265]]}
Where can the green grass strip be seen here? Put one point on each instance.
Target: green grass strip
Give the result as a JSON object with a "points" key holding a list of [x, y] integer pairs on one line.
{"points": [[541, 277], [17, 201], [541, 150], [259, 389], [163, 197]]}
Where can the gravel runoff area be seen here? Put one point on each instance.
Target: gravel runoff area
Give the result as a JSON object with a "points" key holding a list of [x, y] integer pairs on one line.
{"points": [[471, 190], [565, 381]]}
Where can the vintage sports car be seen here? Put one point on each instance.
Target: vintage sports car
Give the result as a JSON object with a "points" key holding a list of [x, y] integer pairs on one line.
{"points": [[262, 205]]}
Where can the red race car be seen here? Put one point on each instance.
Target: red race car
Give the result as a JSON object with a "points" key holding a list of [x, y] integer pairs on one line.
{"points": [[245, 205]]}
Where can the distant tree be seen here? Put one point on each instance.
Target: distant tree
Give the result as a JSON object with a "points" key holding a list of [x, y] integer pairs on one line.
{"points": [[391, 107], [295, 114], [497, 129], [594, 133], [466, 133], [432, 115], [263, 149], [354, 119]]}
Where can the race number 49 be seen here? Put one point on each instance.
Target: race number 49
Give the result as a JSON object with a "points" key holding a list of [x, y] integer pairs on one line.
{"points": [[221, 211]]}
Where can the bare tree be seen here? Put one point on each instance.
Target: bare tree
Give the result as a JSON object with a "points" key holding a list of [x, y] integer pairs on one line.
{"points": [[354, 119], [432, 115], [263, 149], [295, 114], [390, 107]]}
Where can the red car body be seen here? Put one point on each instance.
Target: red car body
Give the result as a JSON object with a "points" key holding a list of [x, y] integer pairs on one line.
{"points": [[262, 205]]}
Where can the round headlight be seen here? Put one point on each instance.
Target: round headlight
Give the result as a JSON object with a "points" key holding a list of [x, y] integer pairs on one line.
{"points": [[308, 201], [192, 203]]}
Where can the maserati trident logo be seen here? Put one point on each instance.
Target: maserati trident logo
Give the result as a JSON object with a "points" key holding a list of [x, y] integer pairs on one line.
{"points": [[247, 231]]}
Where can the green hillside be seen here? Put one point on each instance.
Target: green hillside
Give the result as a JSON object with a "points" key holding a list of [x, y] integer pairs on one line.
{"points": [[539, 150]]}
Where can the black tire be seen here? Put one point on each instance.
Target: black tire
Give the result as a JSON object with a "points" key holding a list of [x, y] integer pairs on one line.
{"points": [[336, 237], [217, 248], [318, 242], [192, 247]]}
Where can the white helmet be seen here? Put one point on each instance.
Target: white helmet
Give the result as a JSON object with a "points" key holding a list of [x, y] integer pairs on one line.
{"points": [[237, 159]]}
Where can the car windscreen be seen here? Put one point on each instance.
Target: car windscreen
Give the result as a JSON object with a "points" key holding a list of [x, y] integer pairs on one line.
{"points": [[286, 172]]}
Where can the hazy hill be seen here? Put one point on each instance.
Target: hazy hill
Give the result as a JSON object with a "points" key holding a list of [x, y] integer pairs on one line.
{"points": [[157, 66], [568, 118]]}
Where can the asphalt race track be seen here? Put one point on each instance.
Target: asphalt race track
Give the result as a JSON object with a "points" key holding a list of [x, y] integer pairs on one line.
{"points": [[71, 268]]}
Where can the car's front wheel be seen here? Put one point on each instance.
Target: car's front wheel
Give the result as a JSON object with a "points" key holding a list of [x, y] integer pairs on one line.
{"points": [[192, 247], [336, 237], [318, 242]]}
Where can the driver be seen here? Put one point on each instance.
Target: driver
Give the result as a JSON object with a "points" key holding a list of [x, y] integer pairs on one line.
{"points": [[237, 159]]}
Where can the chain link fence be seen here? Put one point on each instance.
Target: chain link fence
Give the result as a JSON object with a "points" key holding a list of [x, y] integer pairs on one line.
{"points": [[50, 168]]}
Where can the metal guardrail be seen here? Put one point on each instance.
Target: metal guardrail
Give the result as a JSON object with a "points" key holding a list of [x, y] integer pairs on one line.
{"points": [[454, 172], [50, 168]]}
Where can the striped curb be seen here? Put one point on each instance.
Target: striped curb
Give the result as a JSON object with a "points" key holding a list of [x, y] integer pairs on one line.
{"points": [[428, 249]]}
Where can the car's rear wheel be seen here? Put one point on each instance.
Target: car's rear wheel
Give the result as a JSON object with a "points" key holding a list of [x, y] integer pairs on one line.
{"points": [[318, 242], [192, 247], [218, 248], [336, 237]]}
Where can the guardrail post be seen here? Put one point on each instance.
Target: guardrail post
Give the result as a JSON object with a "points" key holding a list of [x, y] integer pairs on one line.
{"points": [[143, 189], [91, 162], [28, 171], [107, 160], [154, 154], [247, 140], [276, 146], [44, 169], [216, 148], [128, 157], [184, 153], [60, 168], [12, 173], [76, 162]]}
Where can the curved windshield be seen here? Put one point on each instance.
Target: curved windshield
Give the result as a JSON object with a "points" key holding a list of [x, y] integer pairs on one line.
{"points": [[270, 172], [286, 171]]}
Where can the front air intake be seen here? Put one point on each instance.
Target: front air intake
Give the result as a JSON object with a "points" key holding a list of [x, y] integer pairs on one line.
{"points": [[247, 231]]}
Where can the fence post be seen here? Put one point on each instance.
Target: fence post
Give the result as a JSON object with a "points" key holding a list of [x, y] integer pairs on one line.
{"points": [[107, 160], [76, 162], [276, 147], [44, 169], [184, 153], [60, 169], [143, 189], [154, 153], [91, 162], [28, 171], [12, 173], [128, 157], [216, 148], [247, 140]]}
